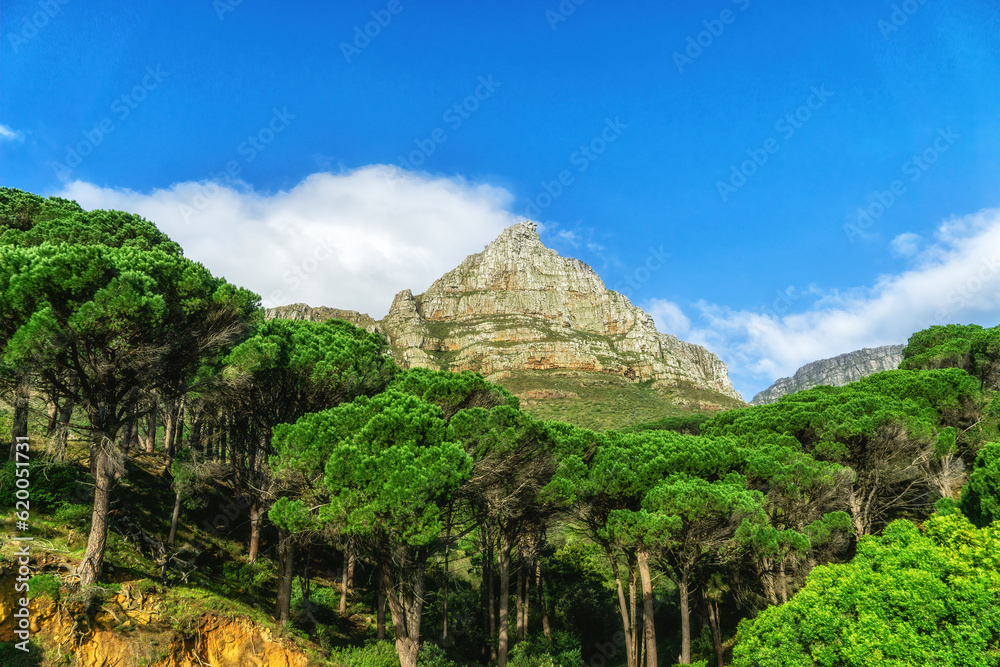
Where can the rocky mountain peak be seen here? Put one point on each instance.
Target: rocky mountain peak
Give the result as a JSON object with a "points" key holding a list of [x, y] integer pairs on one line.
{"points": [[835, 371], [519, 306]]}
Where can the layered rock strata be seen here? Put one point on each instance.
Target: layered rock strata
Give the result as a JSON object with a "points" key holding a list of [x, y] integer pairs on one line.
{"points": [[518, 305], [835, 371]]}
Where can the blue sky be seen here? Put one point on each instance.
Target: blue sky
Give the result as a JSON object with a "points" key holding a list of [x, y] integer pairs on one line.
{"points": [[780, 181]]}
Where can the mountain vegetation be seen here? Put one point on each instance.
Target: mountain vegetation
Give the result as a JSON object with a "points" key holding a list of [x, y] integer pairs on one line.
{"points": [[283, 492]]}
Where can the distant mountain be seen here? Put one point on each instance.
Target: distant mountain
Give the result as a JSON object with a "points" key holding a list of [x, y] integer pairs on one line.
{"points": [[836, 371], [518, 308]]}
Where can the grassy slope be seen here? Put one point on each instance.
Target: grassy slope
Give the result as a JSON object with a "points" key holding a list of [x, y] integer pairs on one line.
{"points": [[609, 401]]}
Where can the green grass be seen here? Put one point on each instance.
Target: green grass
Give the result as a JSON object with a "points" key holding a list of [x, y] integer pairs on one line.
{"points": [[610, 401]]}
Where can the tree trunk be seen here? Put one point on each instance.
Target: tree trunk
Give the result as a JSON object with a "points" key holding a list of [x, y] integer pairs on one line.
{"points": [[179, 425], [683, 589], [286, 573], [61, 436], [491, 588], [93, 560], [713, 620], [649, 631], [540, 587], [380, 606], [345, 581], [519, 602], [447, 553], [169, 422], [173, 519], [406, 609], [257, 512], [503, 642], [623, 609], [53, 415], [22, 398], [151, 427]]}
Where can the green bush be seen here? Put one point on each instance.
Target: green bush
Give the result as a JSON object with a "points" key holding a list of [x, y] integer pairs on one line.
{"points": [[981, 495], [375, 654], [45, 584], [49, 484], [535, 651], [241, 577], [75, 515], [909, 597]]}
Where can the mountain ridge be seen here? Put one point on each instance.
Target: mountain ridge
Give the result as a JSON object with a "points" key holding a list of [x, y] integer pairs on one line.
{"points": [[835, 371], [520, 306]]}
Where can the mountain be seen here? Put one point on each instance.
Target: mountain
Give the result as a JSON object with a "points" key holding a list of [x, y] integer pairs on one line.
{"points": [[543, 325], [836, 371]]}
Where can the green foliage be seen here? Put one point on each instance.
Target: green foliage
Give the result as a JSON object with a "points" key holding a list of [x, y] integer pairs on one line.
{"points": [[240, 578], [689, 424], [969, 347], [73, 514], [50, 484], [535, 651], [388, 467], [453, 391], [375, 654], [981, 495], [11, 656], [905, 599], [45, 584]]}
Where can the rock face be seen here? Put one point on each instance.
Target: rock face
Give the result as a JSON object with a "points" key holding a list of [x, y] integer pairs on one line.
{"points": [[517, 306], [836, 371]]}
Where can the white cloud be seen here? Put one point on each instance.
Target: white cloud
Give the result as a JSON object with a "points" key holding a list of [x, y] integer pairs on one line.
{"points": [[668, 316], [954, 279], [906, 245], [348, 240], [7, 134]]}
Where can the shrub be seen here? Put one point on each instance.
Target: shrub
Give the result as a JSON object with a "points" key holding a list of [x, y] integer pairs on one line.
{"points": [[375, 654], [45, 584], [50, 484], [981, 495]]}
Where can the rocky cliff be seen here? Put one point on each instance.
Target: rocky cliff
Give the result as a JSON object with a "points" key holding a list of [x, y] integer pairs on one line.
{"points": [[519, 306], [836, 371]]}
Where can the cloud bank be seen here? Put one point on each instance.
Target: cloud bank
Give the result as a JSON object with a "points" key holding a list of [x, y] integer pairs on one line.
{"points": [[953, 278], [348, 240]]}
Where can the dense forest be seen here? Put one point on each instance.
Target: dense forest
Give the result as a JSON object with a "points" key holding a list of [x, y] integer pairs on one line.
{"points": [[837, 526]]}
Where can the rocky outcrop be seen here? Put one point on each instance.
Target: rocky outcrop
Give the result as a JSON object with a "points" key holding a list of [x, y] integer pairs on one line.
{"points": [[518, 306], [836, 371], [136, 627], [300, 311]]}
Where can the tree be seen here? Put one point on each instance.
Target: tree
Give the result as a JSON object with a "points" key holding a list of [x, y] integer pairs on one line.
{"points": [[907, 598], [115, 319], [287, 369], [390, 471], [692, 520], [970, 347], [515, 459], [890, 428], [981, 496]]}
